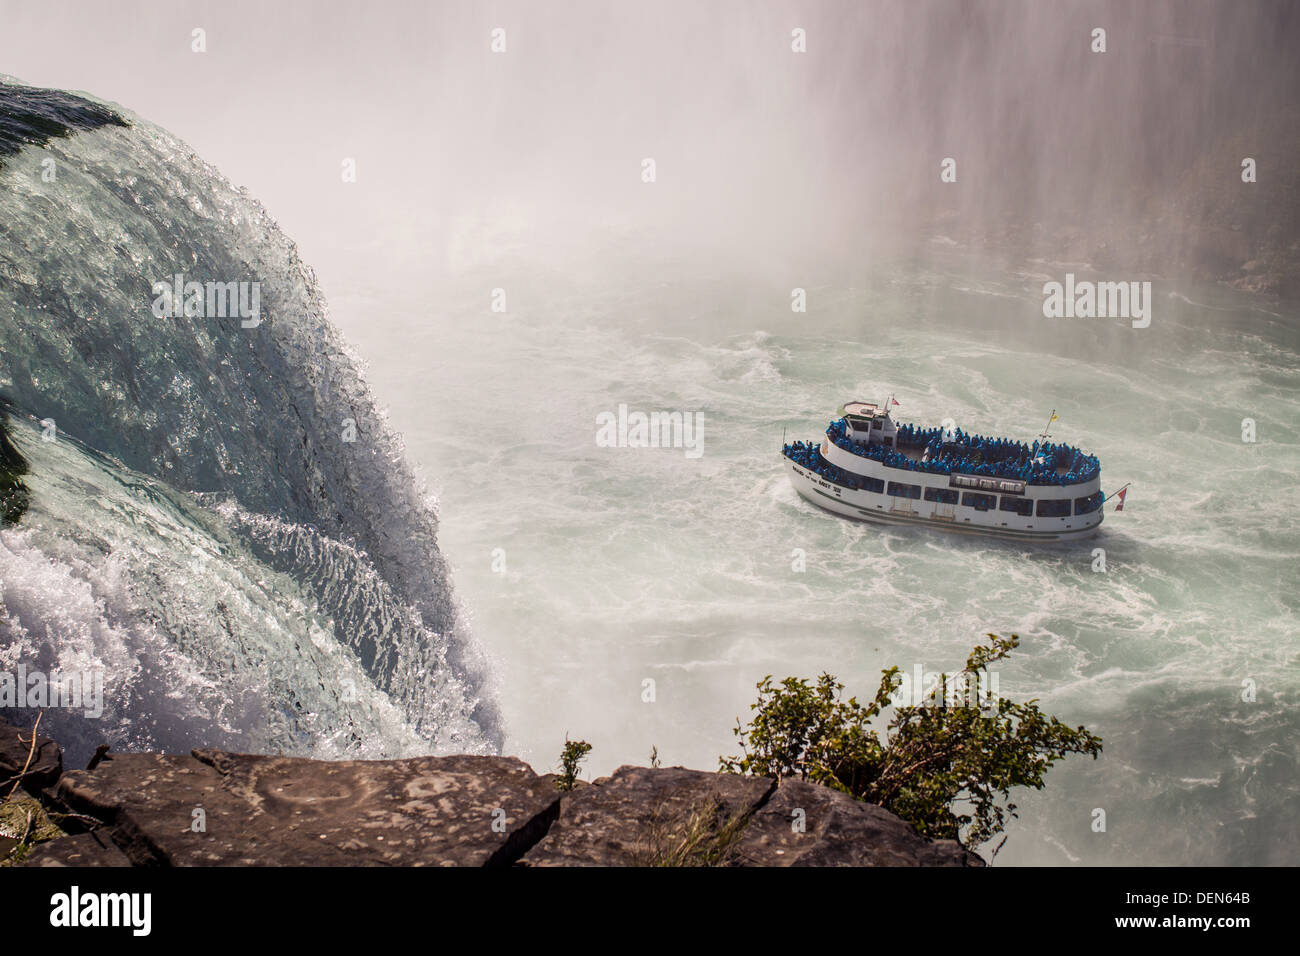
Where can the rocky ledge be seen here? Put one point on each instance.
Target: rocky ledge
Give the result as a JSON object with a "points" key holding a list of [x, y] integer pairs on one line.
{"points": [[13, 493], [211, 808]]}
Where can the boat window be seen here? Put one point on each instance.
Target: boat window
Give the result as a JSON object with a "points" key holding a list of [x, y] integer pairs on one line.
{"points": [[875, 424], [977, 501], [945, 496], [900, 490], [1087, 505], [872, 484], [1054, 508], [1021, 506]]}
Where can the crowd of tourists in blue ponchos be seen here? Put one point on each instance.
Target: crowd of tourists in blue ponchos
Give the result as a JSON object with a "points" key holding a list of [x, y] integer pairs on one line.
{"points": [[805, 453], [1039, 463]]}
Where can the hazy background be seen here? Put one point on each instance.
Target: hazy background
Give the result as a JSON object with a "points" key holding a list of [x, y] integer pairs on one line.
{"points": [[764, 156]]}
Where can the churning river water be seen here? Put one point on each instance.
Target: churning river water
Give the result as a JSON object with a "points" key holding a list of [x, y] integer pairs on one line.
{"points": [[589, 571]]}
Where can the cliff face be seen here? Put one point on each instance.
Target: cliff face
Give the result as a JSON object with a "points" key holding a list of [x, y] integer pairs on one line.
{"points": [[31, 117], [13, 493], [211, 808]]}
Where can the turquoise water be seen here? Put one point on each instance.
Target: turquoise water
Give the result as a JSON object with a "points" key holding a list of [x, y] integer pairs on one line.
{"points": [[625, 565]]}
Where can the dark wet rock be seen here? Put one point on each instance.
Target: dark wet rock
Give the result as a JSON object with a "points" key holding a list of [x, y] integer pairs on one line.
{"points": [[13, 493], [15, 747], [805, 824], [30, 116], [676, 817], [83, 849], [212, 808], [217, 809], [638, 814]]}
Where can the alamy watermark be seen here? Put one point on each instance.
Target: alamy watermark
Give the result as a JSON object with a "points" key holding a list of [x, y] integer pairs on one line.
{"points": [[922, 688], [1100, 300], [74, 908], [36, 690], [210, 300], [651, 430]]}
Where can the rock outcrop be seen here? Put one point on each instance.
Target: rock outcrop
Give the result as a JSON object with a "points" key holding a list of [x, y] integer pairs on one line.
{"points": [[805, 824], [676, 817], [33, 116], [13, 492], [218, 809], [644, 817], [211, 808]]}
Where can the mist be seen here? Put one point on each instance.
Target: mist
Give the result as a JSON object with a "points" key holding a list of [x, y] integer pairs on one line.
{"points": [[767, 160]]}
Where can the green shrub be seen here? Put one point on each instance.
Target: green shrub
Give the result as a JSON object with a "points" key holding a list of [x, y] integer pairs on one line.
{"points": [[946, 768], [573, 754]]}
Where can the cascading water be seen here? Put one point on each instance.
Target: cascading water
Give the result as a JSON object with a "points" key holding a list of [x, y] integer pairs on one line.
{"points": [[220, 519]]}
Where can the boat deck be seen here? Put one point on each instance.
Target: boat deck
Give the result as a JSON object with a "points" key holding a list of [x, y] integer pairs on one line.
{"points": [[903, 446], [916, 452]]}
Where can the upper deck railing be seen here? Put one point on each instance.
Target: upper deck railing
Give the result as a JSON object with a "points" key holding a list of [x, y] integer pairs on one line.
{"points": [[1041, 463]]}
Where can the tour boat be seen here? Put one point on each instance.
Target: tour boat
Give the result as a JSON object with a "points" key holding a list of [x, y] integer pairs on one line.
{"points": [[870, 468]]}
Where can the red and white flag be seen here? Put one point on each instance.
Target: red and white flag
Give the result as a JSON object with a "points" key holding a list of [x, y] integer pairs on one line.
{"points": [[1120, 496], [892, 401]]}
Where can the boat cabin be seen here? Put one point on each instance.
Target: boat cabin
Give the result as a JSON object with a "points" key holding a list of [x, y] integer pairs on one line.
{"points": [[869, 424]]}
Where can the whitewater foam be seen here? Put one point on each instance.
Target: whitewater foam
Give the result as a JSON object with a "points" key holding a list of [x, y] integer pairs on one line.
{"points": [[252, 415]]}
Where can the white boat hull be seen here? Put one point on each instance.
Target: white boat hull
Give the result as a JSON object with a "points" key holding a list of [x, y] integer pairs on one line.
{"points": [[881, 508]]}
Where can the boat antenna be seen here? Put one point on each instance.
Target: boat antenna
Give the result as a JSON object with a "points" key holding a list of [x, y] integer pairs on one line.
{"points": [[1048, 426]]}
